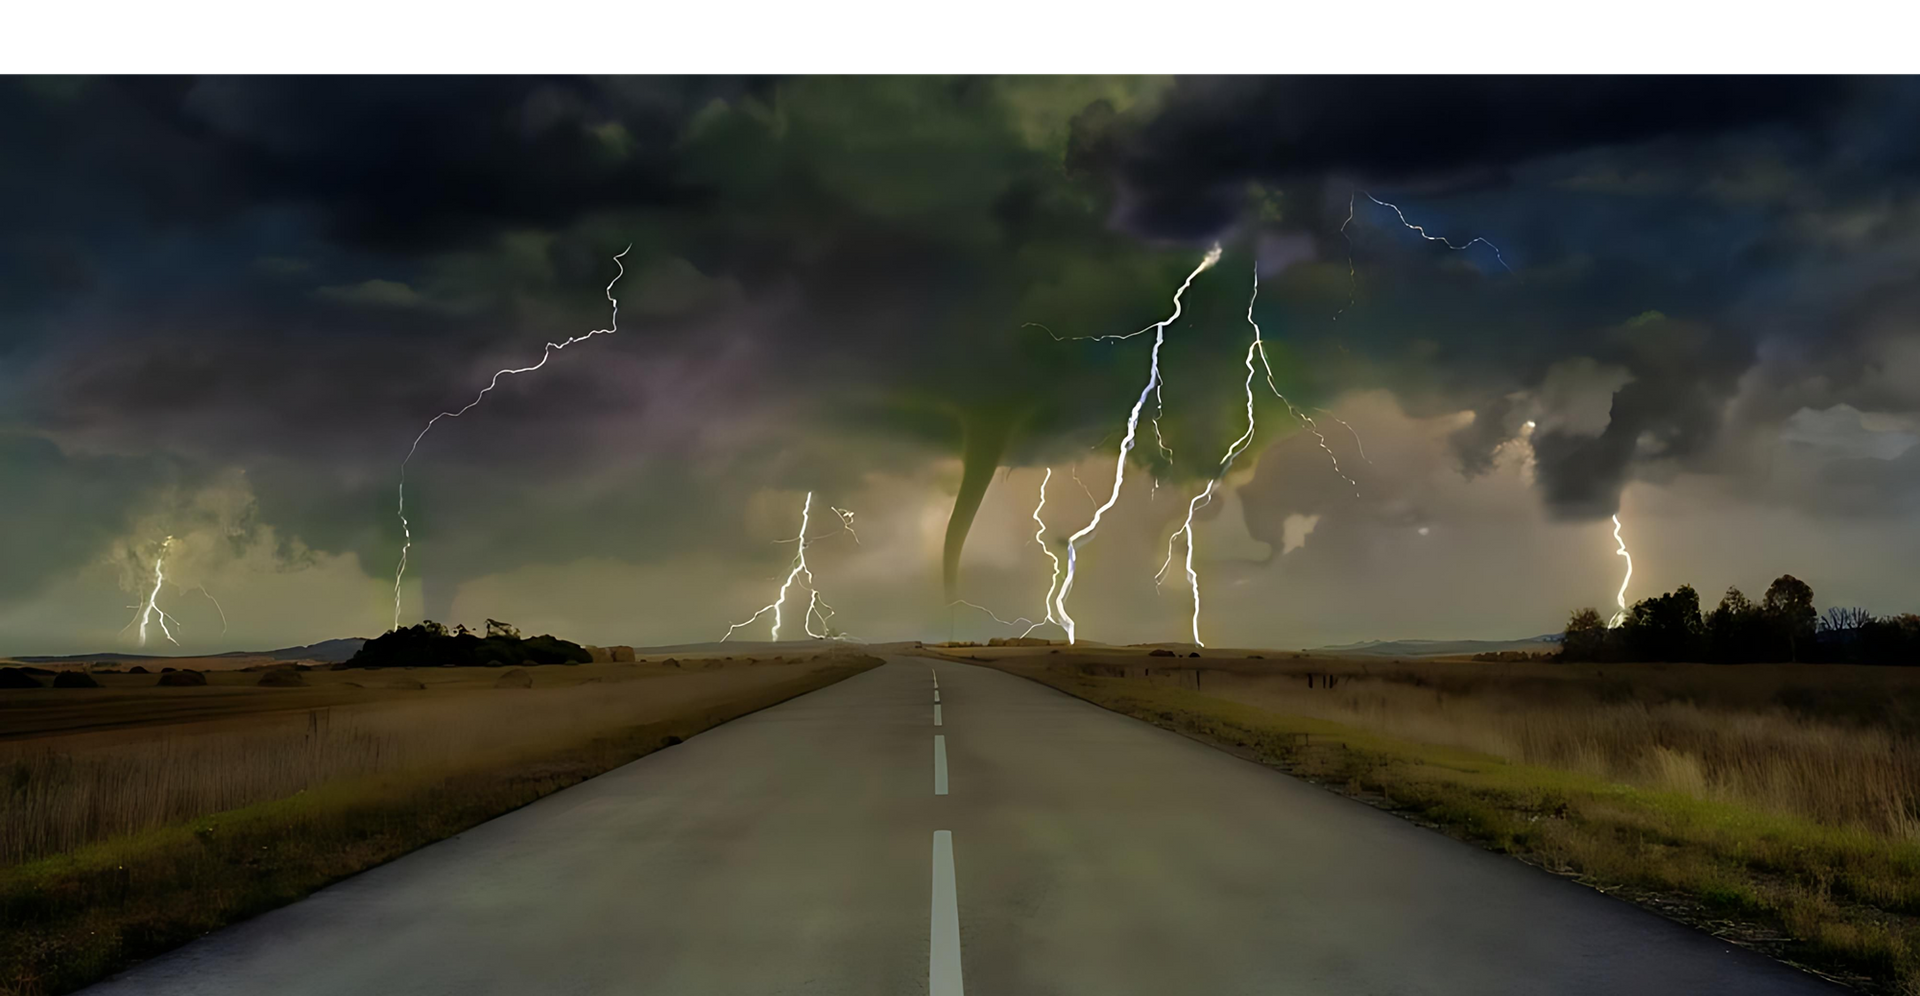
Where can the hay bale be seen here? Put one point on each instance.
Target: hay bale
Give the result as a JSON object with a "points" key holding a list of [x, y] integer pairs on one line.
{"points": [[181, 679], [1162, 652], [623, 655], [283, 677], [74, 679], [137, 669], [516, 678], [15, 677], [671, 662]]}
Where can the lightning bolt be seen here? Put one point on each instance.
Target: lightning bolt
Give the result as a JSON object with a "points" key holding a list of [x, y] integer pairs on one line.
{"points": [[1260, 346], [1159, 403], [202, 589], [1352, 286], [799, 570], [1422, 232], [1126, 445], [1621, 598], [1362, 447], [1075, 471], [1015, 621], [1039, 536], [846, 522], [400, 572], [1234, 450], [151, 611]]}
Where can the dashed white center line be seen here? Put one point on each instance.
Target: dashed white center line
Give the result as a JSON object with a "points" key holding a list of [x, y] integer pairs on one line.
{"points": [[939, 764], [943, 960], [936, 714], [936, 695]]}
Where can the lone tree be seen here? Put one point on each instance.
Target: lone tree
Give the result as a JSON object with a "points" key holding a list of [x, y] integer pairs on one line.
{"points": [[1788, 606]]}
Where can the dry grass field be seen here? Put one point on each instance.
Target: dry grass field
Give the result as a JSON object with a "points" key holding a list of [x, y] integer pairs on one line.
{"points": [[1777, 805], [139, 816]]}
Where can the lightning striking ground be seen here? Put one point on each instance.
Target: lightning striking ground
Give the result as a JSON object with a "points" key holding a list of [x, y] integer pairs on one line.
{"points": [[1621, 597], [1205, 497], [1039, 536], [798, 570], [151, 611], [400, 572], [1126, 445]]}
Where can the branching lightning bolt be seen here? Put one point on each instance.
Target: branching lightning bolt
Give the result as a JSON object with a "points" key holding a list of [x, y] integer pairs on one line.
{"points": [[1621, 598], [1039, 536], [817, 608], [1015, 621], [1205, 497], [846, 522], [151, 610], [1126, 446], [400, 572], [1260, 346]]}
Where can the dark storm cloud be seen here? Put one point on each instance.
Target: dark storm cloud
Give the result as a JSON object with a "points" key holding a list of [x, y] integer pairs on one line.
{"points": [[1474, 445], [386, 162], [1186, 168], [1670, 413], [292, 274], [63, 508]]}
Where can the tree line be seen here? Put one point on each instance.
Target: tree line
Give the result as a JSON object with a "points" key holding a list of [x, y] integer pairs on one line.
{"points": [[1782, 626]]}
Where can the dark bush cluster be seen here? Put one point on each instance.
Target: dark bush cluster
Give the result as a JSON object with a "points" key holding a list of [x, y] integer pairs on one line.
{"points": [[432, 645], [1782, 626]]}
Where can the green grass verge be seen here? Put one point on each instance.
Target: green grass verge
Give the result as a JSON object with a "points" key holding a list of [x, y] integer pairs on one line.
{"points": [[73, 919], [1845, 903]]}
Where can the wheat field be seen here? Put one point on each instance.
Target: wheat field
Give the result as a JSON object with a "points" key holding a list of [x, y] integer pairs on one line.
{"points": [[62, 792], [1837, 744]]}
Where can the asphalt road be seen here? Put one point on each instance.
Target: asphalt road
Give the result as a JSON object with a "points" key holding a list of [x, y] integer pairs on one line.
{"points": [[1041, 845]]}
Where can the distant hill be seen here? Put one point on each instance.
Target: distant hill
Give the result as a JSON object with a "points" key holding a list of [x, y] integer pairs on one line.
{"points": [[1440, 648], [327, 651]]}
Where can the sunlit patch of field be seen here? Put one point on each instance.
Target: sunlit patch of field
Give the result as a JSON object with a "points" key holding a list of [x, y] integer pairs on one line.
{"points": [[1778, 805]]}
